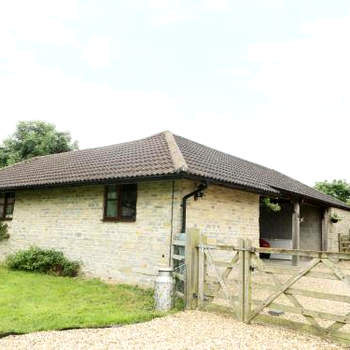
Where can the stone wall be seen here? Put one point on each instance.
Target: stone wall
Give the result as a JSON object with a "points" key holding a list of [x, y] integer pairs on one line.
{"points": [[223, 213], [343, 227], [70, 219]]}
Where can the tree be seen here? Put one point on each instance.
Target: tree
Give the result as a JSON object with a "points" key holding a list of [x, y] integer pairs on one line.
{"points": [[34, 138], [339, 189]]}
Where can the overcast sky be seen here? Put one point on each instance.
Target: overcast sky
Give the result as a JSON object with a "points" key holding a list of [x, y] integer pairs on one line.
{"points": [[265, 80]]}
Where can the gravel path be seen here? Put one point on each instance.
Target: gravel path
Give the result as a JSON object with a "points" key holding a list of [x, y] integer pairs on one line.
{"points": [[185, 330]]}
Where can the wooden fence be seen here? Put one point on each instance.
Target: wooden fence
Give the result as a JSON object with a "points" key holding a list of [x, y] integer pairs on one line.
{"points": [[313, 296]]}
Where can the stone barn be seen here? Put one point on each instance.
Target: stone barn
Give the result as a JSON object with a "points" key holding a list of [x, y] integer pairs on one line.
{"points": [[118, 208]]}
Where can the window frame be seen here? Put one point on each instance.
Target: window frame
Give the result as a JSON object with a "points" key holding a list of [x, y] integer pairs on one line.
{"points": [[3, 216], [119, 217]]}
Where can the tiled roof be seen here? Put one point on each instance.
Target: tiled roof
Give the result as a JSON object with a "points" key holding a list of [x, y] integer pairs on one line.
{"points": [[210, 163], [159, 155], [149, 156]]}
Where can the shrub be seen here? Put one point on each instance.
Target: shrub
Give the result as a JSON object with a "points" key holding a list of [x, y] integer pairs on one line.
{"points": [[43, 260]]}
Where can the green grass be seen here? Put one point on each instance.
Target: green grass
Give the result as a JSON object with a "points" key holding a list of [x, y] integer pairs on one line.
{"points": [[36, 302]]}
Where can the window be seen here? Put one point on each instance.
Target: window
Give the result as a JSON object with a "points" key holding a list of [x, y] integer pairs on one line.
{"points": [[7, 204], [120, 202]]}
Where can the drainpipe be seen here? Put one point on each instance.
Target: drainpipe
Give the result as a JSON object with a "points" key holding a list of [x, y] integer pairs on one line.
{"points": [[198, 193]]}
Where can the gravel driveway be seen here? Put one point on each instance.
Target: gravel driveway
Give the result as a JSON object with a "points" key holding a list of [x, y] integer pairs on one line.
{"points": [[184, 330]]}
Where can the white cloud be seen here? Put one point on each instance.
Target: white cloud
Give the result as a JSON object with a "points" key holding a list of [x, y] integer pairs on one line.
{"points": [[306, 87], [301, 128], [166, 12], [98, 52], [96, 114], [236, 72], [162, 4], [216, 5], [171, 16], [174, 11], [38, 20]]}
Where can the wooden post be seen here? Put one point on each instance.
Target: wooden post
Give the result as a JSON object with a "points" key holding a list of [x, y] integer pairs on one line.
{"points": [[241, 279], [191, 261], [195, 243], [201, 277], [247, 279], [324, 229], [296, 231]]}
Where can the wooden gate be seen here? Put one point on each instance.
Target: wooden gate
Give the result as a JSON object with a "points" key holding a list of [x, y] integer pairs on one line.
{"points": [[221, 283], [313, 296], [185, 266], [179, 267], [316, 293]]}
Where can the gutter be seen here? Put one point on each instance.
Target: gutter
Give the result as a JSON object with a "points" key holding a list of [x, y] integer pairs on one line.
{"points": [[317, 201]]}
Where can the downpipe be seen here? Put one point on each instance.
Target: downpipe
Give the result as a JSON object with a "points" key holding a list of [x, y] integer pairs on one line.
{"points": [[198, 193]]}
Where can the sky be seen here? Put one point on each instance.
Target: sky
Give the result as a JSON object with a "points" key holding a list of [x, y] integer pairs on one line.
{"points": [[264, 80]]}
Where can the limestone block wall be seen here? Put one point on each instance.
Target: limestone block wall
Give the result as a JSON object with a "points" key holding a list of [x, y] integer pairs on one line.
{"points": [[223, 213], [70, 219], [343, 227]]}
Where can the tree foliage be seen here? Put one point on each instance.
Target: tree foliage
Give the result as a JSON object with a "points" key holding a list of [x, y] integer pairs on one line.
{"points": [[34, 138], [339, 189]]}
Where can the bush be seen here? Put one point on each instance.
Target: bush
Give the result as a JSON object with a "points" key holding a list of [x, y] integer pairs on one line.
{"points": [[43, 260]]}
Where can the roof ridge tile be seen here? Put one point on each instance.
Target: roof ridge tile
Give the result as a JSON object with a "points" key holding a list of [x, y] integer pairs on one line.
{"points": [[176, 155]]}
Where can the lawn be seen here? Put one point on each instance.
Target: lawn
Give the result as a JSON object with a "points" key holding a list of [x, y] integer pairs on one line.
{"points": [[35, 302]]}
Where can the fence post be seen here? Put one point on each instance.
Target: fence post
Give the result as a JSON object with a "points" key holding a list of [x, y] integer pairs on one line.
{"points": [[201, 276], [247, 279], [191, 261], [296, 231], [325, 228], [241, 278]]}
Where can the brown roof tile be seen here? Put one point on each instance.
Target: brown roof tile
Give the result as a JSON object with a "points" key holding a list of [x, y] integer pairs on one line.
{"points": [[149, 156], [208, 162], [159, 155]]}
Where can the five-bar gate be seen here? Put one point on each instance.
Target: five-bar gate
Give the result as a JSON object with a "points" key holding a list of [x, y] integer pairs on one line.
{"points": [[313, 296]]}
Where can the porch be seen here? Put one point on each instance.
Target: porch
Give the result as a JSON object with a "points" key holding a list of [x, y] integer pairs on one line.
{"points": [[296, 225]]}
